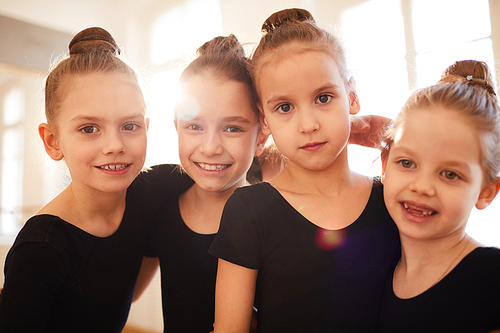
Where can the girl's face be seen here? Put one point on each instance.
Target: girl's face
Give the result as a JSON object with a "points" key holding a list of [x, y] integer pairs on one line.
{"points": [[218, 132], [101, 131], [306, 108], [433, 175]]}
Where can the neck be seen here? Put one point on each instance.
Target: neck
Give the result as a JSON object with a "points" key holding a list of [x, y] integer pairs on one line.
{"points": [[201, 210], [97, 213], [92, 203], [423, 264], [418, 253], [332, 179]]}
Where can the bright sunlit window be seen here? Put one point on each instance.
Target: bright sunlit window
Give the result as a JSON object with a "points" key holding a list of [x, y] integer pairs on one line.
{"points": [[175, 37], [12, 162]]}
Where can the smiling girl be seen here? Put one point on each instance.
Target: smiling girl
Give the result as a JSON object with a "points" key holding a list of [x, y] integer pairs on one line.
{"points": [[74, 265], [219, 135], [442, 158]]}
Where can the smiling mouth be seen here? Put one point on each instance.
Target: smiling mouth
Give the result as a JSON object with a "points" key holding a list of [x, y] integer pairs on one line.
{"points": [[114, 166], [418, 210], [213, 167]]}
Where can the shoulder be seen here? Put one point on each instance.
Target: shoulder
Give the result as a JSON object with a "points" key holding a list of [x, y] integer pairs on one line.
{"points": [[257, 198], [375, 207], [259, 192], [159, 183], [161, 173], [487, 257], [49, 231]]}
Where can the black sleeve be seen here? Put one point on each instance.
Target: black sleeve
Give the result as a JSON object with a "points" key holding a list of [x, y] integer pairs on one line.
{"points": [[240, 235], [34, 273]]}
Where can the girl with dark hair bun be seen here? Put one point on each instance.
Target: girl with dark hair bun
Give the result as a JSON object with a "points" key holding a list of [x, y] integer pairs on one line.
{"points": [[73, 266], [443, 281], [217, 123]]}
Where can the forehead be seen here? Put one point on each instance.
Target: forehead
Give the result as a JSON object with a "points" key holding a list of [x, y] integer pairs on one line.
{"points": [[303, 67], [208, 95], [102, 92], [439, 133]]}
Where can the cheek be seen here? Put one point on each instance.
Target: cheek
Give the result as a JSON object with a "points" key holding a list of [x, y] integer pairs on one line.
{"points": [[243, 149]]}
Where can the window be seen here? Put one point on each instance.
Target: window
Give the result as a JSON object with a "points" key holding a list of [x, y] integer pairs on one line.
{"points": [[175, 36], [12, 160]]}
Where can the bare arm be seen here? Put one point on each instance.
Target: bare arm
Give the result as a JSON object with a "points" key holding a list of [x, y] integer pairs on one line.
{"points": [[234, 297], [148, 270]]}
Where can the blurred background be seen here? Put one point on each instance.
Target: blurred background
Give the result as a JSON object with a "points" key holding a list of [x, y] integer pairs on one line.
{"points": [[393, 47]]}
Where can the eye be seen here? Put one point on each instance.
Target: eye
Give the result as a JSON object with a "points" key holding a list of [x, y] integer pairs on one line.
{"points": [[449, 175], [194, 127], [88, 129], [323, 99], [406, 164], [284, 108], [233, 129], [130, 127]]}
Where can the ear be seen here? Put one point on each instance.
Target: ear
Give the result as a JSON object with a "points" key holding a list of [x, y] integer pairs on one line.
{"points": [[50, 141], [487, 194], [263, 123], [354, 105], [147, 124], [261, 143]]}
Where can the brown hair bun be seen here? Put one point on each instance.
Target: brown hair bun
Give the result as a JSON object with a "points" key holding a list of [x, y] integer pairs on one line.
{"points": [[471, 72], [285, 16], [93, 39], [221, 44]]}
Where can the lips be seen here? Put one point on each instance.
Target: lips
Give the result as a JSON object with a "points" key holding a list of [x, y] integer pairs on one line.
{"points": [[312, 146], [213, 167], [418, 210]]}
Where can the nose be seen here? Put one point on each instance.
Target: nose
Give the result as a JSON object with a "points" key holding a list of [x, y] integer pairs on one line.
{"points": [[423, 184], [308, 122], [211, 144], [113, 143]]}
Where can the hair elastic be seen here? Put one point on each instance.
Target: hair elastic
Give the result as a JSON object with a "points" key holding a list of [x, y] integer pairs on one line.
{"points": [[469, 77]]}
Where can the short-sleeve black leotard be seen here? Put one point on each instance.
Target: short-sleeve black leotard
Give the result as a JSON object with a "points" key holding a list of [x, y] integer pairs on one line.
{"points": [[310, 279], [465, 300], [58, 278], [188, 272]]}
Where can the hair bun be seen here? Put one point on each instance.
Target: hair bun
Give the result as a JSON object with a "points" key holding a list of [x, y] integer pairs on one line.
{"points": [[221, 44], [469, 72], [285, 16], [93, 39]]}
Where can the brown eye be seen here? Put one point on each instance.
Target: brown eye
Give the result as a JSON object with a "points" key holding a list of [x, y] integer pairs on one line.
{"points": [[284, 108], [129, 127], [89, 129], [449, 175], [406, 164]]}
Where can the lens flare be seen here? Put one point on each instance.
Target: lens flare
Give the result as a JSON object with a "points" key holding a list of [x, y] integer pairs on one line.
{"points": [[330, 239]]}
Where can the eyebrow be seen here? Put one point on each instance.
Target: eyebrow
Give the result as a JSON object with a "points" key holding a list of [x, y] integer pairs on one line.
{"points": [[235, 119], [95, 119], [274, 99]]}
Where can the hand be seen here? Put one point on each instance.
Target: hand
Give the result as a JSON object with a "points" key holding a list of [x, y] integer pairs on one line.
{"points": [[368, 131]]}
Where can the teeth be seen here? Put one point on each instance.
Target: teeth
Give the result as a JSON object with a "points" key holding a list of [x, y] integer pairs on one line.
{"points": [[114, 167], [213, 167], [417, 212]]}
